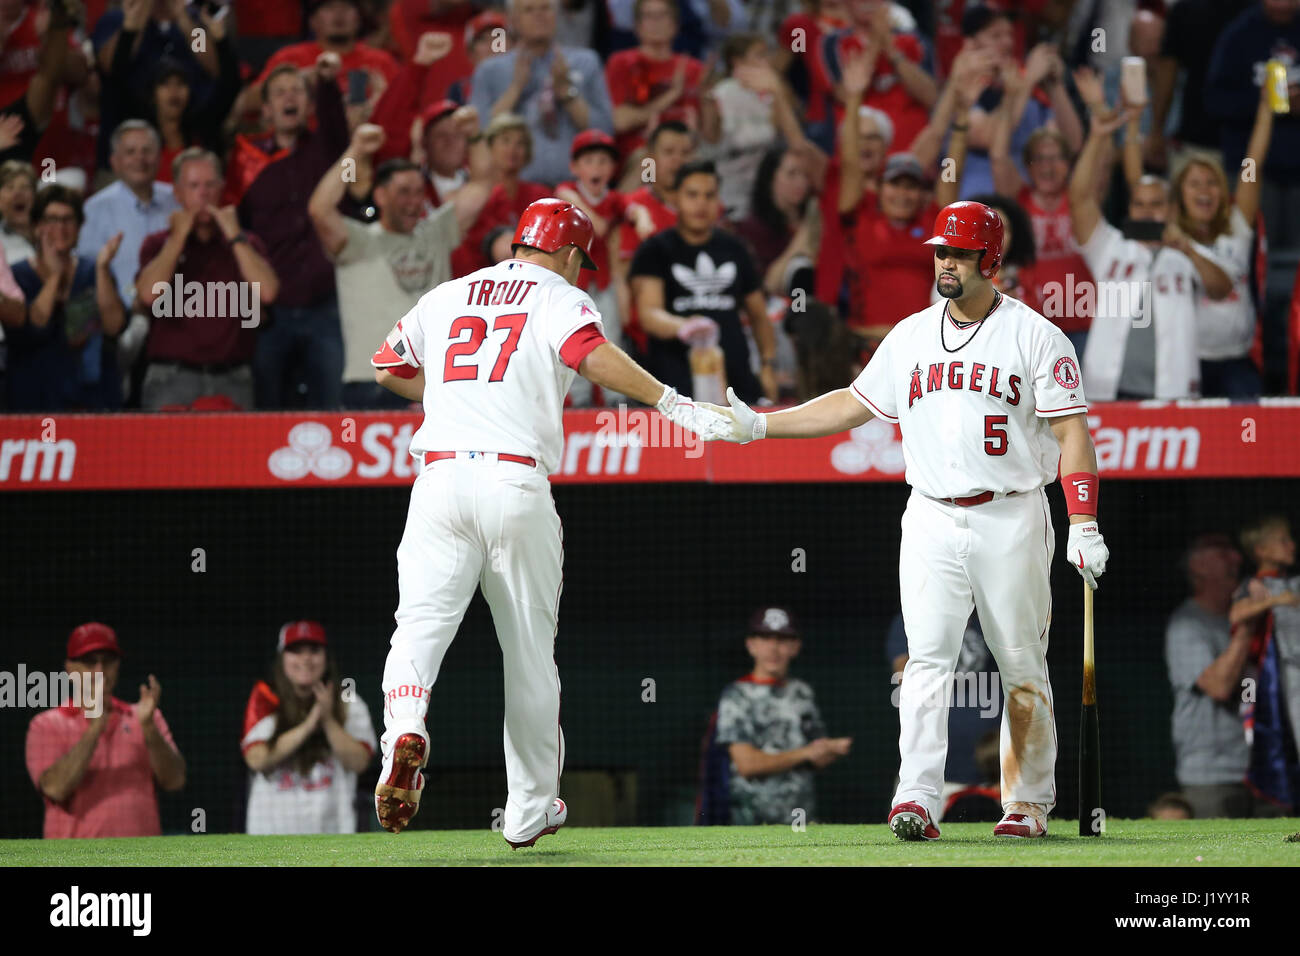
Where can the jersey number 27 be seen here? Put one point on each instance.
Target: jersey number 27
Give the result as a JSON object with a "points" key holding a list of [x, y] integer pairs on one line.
{"points": [[464, 345]]}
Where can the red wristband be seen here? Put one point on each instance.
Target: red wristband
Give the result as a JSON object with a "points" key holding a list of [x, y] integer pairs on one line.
{"points": [[1081, 490]]}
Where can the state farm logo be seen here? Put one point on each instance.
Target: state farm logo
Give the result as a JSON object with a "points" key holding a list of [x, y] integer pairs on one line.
{"points": [[310, 452], [873, 445]]}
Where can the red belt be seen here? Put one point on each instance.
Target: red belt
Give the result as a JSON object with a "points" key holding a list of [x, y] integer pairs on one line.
{"points": [[431, 456], [979, 499]]}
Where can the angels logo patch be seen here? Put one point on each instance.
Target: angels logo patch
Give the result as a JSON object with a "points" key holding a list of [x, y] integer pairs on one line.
{"points": [[1066, 372]]}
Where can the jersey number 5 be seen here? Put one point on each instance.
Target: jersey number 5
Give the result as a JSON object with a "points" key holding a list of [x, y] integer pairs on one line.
{"points": [[995, 435], [477, 329]]}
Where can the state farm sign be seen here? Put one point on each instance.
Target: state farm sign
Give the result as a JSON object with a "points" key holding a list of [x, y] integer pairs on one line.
{"points": [[278, 450]]}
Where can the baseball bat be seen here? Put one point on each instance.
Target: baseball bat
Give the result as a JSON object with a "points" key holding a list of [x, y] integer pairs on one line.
{"points": [[1089, 745]]}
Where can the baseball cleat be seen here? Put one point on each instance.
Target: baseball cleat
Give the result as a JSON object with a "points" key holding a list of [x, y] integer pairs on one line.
{"points": [[1023, 820], [397, 795], [555, 818], [911, 821]]}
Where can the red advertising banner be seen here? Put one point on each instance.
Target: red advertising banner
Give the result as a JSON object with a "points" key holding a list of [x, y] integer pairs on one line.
{"points": [[1205, 439]]}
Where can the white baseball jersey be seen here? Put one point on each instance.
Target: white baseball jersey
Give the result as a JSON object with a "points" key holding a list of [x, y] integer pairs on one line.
{"points": [[490, 346], [973, 404], [1225, 329], [1145, 300], [282, 800]]}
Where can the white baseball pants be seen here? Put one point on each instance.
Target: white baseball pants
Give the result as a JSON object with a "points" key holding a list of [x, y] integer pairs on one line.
{"points": [[996, 557], [477, 522]]}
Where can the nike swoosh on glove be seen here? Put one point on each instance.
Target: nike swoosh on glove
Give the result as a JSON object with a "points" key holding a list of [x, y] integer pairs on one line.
{"points": [[1087, 551]]}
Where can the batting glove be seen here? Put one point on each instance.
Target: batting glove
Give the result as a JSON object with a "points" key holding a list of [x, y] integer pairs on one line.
{"points": [[745, 424], [1087, 551], [699, 418]]}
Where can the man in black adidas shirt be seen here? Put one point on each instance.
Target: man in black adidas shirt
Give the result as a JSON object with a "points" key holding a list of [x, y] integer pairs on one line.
{"points": [[694, 274]]}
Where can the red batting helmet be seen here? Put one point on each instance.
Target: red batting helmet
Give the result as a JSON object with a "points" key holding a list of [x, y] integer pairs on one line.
{"points": [[552, 224], [971, 225]]}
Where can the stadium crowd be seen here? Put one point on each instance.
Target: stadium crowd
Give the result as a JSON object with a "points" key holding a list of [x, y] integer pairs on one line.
{"points": [[228, 203]]}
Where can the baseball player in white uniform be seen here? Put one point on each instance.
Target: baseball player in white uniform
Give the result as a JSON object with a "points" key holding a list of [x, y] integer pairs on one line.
{"points": [[987, 395], [492, 356]]}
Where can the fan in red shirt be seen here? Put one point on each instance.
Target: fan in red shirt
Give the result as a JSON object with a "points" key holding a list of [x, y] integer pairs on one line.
{"points": [[511, 146], [593, 160], [948, 34], [899, 83], [335, 25], [409, 20], [799, 40], [486, 36], [891, 273], [1045, 199], [650, 209], [650, 84]]}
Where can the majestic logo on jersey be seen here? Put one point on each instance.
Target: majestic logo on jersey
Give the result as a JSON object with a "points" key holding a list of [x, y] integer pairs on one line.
{"points": [[951, 228], [1066, 372], [956, 379], [705, 283], [586, 311]]}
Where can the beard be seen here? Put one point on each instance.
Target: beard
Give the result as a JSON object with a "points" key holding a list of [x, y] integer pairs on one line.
{"points": [[952, 291]]}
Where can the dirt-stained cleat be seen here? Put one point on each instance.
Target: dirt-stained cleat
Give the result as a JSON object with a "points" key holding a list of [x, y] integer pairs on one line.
{"points": [[397, 795]]}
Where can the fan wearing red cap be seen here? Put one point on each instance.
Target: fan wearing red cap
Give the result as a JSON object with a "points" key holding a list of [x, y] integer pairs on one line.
{"points": [[304, 740], [98, 760], [987, 396], [492, 356], [594, 162]]}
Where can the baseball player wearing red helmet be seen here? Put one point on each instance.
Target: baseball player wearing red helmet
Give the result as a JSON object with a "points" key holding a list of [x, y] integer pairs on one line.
{"points": [[492, 356], [987, 395]]}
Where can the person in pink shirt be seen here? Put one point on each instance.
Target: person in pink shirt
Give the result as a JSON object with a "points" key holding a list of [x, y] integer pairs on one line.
{"points": [[96, 766]]}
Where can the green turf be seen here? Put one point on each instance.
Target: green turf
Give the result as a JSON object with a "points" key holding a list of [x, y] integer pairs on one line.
{"points": [[1126, 843]]}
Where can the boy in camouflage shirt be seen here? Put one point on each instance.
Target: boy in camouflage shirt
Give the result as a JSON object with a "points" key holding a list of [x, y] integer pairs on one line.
{"points": [[770, 726]]}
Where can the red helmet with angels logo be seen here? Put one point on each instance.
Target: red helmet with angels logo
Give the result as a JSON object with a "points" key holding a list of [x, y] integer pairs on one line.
{"points": [[552, 224], [971, 225]]}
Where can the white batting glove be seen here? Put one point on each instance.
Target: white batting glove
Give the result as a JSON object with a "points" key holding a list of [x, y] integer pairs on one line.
{"points": [[700, 418], [746, 425], [1087, 551]]}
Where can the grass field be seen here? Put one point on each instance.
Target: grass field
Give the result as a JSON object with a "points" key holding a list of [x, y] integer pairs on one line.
{"points": [[1125, 843]]}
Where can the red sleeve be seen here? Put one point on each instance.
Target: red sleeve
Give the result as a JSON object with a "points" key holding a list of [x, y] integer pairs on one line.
{"points": [[580, 344], [46, 744], [149, 249], [618, 78], [261, 703], [403, 39], [908, 45], [396, 111]]}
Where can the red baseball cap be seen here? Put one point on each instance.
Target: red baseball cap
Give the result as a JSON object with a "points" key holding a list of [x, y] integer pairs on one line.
{"points": [[488, 20], [436, 111], [299, 632], [593, 139], [91, 637]]}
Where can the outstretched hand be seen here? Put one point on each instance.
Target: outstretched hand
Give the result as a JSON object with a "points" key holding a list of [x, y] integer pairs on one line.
{"points": [[745, 424]]}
